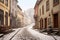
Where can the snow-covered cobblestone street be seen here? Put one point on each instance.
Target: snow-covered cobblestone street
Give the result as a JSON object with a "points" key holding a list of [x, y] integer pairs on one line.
{"points": [[30, 34], [27, 33], [10, 35]]}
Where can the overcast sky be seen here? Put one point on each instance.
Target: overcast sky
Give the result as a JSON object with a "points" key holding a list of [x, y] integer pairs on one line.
{"points": [[26, 4]]}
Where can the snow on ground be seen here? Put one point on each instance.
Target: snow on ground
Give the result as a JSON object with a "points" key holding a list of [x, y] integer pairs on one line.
{"points": [[40, 35], [57, 37], [30, 34], [27, 33], [8, 36]]}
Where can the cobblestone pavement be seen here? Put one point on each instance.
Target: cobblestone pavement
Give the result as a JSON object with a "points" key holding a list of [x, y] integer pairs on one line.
{"points": [[24, 34], [27, 33], [10, 35]]}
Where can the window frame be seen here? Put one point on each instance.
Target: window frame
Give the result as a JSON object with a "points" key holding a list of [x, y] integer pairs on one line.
{"points": [[1, 17], [43, 9], [55, 2], [6, 2], [47, 5]]}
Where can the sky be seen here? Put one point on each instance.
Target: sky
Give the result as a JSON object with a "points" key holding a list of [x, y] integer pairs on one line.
{"points": [[26, 4]]}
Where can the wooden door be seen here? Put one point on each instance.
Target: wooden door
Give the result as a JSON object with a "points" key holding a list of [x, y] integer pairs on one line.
{"points": [[45, 23], [55, 20], [41, 24]]}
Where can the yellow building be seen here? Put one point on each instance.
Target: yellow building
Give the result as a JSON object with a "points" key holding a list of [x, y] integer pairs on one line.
{"points": [[48, 14], [20, 17], [4, 13]]}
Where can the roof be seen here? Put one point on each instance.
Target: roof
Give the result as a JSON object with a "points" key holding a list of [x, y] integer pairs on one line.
{"points": [[19, 7], [38, 2]]}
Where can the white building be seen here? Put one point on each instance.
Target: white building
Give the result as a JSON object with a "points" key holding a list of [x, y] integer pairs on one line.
{"points": [[28, 16]]}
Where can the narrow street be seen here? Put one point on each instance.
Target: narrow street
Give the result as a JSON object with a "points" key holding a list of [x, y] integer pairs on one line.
{"points": [[29, 20], [9, 36], [27, 33]]}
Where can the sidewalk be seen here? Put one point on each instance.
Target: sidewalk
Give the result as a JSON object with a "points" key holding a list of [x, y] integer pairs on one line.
{"points": [[43, 36], [10, 35], [53, 36]]}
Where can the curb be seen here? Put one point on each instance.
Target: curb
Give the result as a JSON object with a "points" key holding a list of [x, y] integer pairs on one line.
{"points": [[14, 34], [1, 35]]}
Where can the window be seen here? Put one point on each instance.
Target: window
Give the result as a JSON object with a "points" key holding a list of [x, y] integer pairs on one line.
{"points": [[12, 10], [6, 20], [11, 22], [42, 9], [2, 1], [1, 17], [55, 2], [49, 21], [15, 13], [12, 2], [47, 5], [42, 23], [6, 2], [9, 14]]}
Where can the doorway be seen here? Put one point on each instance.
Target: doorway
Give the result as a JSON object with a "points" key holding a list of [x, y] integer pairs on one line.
{"points": [[55, 19], [41, 24], [45, 23]]}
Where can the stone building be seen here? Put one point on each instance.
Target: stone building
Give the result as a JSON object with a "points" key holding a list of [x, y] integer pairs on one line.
{"points": [[13, 12], [48, 14], [20, 17], [4, 14], [36, 14]]}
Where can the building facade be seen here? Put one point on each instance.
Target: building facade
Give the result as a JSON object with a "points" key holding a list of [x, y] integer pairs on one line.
{"points": [[13, 12], [48, 14], [20, 17], [36, 14], [4, 14]]}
